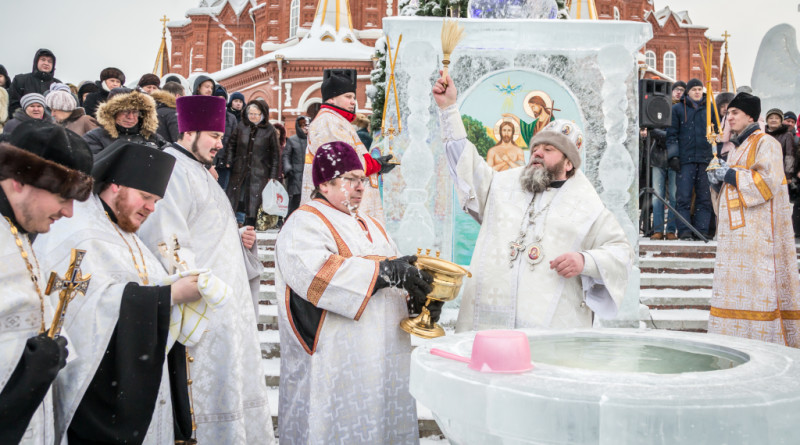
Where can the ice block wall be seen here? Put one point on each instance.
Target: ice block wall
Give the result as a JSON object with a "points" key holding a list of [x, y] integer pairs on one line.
{"points": [[594, 59]]}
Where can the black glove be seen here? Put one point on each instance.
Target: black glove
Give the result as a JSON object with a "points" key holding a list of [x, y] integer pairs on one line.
{"points": [[435, 307], [401, 273], [47, 351], [675, 163], [386, 166]]}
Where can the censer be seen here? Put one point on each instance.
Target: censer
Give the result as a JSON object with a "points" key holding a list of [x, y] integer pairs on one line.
{"points": [[447, 278]]}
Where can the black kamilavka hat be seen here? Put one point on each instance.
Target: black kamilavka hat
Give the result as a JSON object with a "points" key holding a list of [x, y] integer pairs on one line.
{"points": [[134, 165]]}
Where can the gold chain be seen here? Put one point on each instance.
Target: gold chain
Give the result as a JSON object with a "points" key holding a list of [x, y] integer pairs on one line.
{"points": [[142, 275], [34, 277]]}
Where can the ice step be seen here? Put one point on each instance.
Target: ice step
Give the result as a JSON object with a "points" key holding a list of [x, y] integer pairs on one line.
{"points": [[678, 319], [679, 280], [675, 297]]}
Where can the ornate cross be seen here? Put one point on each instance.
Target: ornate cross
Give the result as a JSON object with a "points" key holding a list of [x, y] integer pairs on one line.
{"points": [[72, 283], [172, 256], [164, 21]]}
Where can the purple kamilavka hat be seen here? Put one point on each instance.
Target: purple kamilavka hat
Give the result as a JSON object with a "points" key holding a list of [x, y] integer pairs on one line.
{"points": [[201, 113]]}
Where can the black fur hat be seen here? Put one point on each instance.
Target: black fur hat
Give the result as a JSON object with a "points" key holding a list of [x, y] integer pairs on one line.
{"points": [[336, 82], [749, 104], [112, 73], [48, 157]]}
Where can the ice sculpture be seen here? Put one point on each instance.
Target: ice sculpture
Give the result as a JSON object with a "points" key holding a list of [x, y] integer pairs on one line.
{"points": [[616, 387], [507, 9], [776, 73], [594, 59]]}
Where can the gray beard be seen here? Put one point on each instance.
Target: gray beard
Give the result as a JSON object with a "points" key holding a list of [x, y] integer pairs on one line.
{"points": [[534, 179]]}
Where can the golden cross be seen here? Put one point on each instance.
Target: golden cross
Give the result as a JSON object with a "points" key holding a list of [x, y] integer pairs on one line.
{"points": [[164, 21], [726, 35], [73, 282], [171, 255]]}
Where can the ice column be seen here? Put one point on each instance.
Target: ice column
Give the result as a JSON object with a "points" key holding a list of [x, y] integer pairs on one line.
{"points": [[616, 169], [416, 228]]}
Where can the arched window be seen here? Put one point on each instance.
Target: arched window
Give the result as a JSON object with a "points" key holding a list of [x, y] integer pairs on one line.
{"points": [[248, 51], [650, 59], [294, 18], [228, 54], [616, 13], [670, 64]]}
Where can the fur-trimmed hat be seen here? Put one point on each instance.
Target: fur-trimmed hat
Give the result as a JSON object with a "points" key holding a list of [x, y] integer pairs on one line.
{"points": [[749, 104], [201, 113], [563, 135], [112, 73], [149, 79], [333, 160], [723, 99], [336, 82], [48, 157], [134, 100]]}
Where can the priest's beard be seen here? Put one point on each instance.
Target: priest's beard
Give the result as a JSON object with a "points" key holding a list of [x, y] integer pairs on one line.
{"points": [[196, 152], [123, 212], [536, 179]]}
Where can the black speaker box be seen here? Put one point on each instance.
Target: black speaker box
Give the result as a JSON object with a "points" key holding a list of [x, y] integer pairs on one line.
{"points": [[655, 103]]}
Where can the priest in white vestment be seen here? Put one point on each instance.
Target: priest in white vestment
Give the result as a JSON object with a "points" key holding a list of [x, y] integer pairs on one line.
{"points": [[756, 291], [229, 389], [341, 297], [549, 254], [42, 170], [117, 390], [334, 123]]}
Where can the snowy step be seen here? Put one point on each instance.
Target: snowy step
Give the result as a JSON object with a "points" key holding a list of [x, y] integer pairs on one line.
{"points": [[268, 274], [675, 298], [695, 320], [266, 255], [267, 293], [679, 281], [676, 265], [268, 314], [270, 343]]}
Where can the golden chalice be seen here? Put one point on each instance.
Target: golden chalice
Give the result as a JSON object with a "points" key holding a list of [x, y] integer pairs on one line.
{"points": [[447, 277]]}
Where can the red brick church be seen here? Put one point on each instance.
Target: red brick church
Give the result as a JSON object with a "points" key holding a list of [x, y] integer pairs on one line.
{"points": [[277, 49]]}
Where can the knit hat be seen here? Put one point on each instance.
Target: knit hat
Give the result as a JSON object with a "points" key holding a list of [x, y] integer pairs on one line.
{"points": [[112, 73], [333, 160], [58, 99], [337, 82], [134, 165], [87, 87], [565, 136], [149, 79], [200, 113], [220, 91], [31, 98], [679, 84], [48, 157], [790, 115], [774, 111], [694, 83], [236, 95], [749, 104]]}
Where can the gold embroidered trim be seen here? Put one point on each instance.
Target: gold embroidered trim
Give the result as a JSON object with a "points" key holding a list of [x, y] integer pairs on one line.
{"points": [[380, 227], [323, 278], [762, 186], [741, 314], [309, 157], [369, 291], [340, 244]]}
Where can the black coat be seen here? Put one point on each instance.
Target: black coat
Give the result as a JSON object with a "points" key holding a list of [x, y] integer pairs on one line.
{"points": [[252, 153], [788, 143], [230, 127], [93, 100], [294, 159], [686, 137], [167, 115], [20, 117], [100, 138], [33, 82]]}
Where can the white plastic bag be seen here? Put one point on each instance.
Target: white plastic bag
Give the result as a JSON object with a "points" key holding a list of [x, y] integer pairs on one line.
{"points": [[274, 199]]}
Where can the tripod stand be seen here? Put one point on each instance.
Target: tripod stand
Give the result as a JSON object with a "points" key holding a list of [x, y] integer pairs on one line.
{"points": [[648, 190]]}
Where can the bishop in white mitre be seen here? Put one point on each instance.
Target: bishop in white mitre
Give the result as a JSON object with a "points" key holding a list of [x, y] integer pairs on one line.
{"points": [[43, 169], [549, 254], [229, 389]]}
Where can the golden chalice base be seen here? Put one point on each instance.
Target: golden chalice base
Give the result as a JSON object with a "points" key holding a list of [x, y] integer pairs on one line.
{"points": [[422, 326], [714, 164]]}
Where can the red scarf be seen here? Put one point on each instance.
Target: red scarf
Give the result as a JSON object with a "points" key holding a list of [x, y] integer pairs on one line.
{"points": [[340, 111]]}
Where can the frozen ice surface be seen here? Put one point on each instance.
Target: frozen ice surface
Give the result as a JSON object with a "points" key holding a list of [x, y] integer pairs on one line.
{"points": [[776, 73], [594, 59], [754, 402]]}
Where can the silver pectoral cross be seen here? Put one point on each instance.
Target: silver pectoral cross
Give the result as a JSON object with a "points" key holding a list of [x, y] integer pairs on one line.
{"points": [[172, 256]]}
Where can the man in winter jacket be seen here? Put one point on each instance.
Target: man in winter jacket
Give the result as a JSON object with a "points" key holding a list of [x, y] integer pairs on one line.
{"points": [[689, 153], [128, 115], [165, 109], [293, 159], [37, 81], [784, 135], [223, 169], [110, 78], [235, 105]]}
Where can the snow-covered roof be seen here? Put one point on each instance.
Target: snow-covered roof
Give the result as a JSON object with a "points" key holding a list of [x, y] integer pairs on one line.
{"points": [[681, 18], [242, 67], [214, 7], [314, 49], [178, 23]]}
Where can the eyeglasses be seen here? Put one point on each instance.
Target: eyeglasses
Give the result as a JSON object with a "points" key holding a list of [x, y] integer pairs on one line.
{"points": [[130, 113], [355, 181]]}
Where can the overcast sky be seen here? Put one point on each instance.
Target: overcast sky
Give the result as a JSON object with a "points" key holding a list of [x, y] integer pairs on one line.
{"points": [[89, 35]]}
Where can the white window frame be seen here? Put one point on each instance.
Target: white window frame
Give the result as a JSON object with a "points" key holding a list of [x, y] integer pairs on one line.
{"points": [[650, 59], [670, 64], [616, 13], [248, 51], [228, 54], [294, 18]]}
